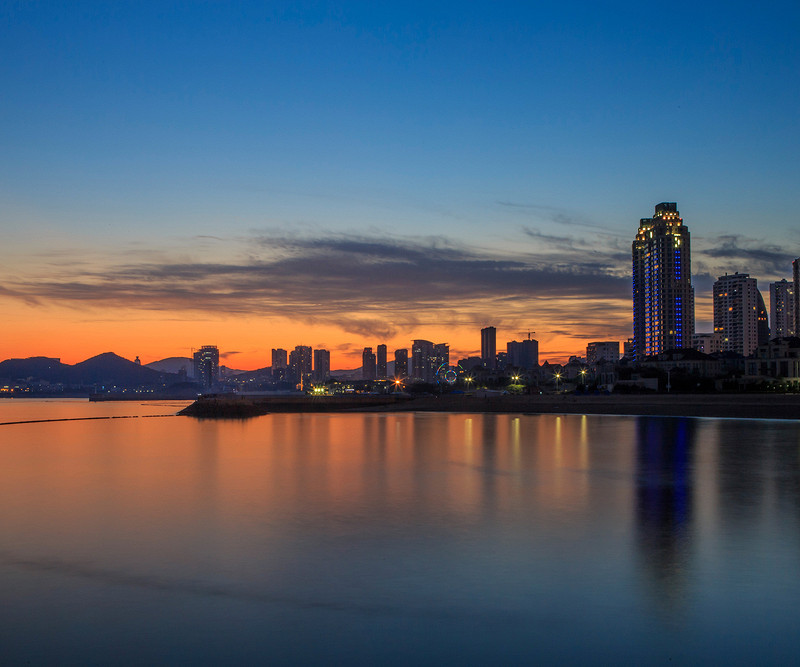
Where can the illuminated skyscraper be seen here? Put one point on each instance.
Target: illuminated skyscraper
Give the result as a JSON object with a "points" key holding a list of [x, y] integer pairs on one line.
{"points": [[663, 296], [796, 281], [206, 366], [740, 316]]}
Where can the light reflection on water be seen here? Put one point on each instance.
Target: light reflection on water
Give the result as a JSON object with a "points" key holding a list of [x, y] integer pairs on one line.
{"points": [[398, 538]]}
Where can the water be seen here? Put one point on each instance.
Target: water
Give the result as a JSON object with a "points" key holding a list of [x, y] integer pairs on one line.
{"points": [[395, 539]]}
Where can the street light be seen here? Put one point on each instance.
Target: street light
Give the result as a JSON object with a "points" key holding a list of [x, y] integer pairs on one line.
{"points": [[583, 376], [558, 377]]}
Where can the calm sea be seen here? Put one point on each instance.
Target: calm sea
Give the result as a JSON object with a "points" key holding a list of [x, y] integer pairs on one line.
{"points": [[395, 538]]}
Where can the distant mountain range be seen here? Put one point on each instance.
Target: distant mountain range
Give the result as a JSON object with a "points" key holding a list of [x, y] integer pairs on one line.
{"points": [[104, 369]]}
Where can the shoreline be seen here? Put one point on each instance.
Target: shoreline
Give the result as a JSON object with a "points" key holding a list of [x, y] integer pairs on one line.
{"points": [[725, 406]]}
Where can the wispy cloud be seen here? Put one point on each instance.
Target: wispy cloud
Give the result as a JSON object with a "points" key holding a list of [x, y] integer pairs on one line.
{"points": [[734, 252], [366, 285]]}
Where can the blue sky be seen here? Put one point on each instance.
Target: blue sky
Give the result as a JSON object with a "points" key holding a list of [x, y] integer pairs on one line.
{"points": [[187, 131]]}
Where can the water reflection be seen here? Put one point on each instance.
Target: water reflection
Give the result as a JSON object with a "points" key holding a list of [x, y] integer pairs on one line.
{"points": [[464, 538], [664, 451]]}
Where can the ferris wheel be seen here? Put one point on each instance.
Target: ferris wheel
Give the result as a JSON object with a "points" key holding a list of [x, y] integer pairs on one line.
{"points": [[447, 374]]}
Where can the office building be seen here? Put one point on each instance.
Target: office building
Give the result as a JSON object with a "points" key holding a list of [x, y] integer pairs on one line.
{"points": [[368, 364], [602, 351], [401, 363], [523, 354], [380, 361], [740, 317], [781, 309], [489, 347], [663, 296], [322, 365], [206, 366]]}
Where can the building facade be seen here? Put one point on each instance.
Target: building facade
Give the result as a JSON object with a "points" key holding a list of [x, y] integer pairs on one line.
{"points": [[740, 317], [489, 347], [300, 363], [602, 351], [781, 309], [663, 296]]}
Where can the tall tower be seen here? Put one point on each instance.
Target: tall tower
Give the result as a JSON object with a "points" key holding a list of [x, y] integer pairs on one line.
{"points": [[663, 296], [368, 366], [206, 366], [740, 317], [381, 362], [781, 308], [489, 347], [796, 281]]}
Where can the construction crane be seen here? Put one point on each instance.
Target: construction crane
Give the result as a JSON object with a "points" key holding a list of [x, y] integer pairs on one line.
{"points": [[528, 333]]}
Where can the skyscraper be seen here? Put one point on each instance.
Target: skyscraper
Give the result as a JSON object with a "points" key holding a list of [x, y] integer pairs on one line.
{"points": [[300, 359], [322, 365], [368, 366], [796, 281], [206, 366], [381, 362], [663, 296], [523, 354], [489, 347], [401, 363], [781, 308], [740, 316]]}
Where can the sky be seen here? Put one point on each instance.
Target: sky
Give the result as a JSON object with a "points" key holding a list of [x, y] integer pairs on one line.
{"points": [[259, 175]]}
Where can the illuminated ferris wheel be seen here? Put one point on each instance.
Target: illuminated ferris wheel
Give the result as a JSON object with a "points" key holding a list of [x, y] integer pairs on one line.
{"points": [[447, 374]]}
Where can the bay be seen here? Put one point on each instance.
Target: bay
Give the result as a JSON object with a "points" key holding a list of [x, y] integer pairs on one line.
{"points": [[395, 538]]}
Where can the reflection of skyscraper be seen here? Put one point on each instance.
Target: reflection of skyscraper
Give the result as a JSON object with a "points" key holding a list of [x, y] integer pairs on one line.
{"points": [[381, 362], [401, 363], [739, 313], [663, 297], [664, 502], [206, 366], [489, 347], [368, 365], [781, 308]]}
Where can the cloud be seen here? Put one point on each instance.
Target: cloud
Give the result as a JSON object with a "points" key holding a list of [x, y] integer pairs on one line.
{"points": [[366, 285], [733, 252]]}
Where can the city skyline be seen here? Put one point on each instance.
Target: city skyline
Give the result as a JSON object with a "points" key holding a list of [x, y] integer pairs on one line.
{"points": [[347, 176]]}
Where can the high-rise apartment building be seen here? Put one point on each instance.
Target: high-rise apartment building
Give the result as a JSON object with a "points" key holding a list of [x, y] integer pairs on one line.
{"points": [[489, 347], [602, 351], [206, 366], [663, 296], [322, 365], [740, 317], [279, 359], [781, 309], [523, 354], [300, 363], [380, 361], [796, 281], [401, 363], [368, 364]]}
